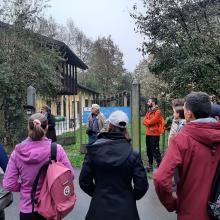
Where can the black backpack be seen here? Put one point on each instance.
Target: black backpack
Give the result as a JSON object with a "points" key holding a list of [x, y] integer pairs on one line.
{"points": [[214, 201]]}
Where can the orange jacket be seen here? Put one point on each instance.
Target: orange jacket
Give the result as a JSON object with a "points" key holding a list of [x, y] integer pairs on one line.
{"points": [[152, 121]]}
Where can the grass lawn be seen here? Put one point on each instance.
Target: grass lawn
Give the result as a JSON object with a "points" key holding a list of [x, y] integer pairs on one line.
{"points": [[73, 150]]}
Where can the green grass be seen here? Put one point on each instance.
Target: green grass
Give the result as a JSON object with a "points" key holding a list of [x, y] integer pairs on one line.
{"points": [[73, 150], [74, 155]]}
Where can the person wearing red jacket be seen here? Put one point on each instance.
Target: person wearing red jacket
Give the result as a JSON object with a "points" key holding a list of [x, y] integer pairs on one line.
{"points": [[195, 152], [152, 122]]}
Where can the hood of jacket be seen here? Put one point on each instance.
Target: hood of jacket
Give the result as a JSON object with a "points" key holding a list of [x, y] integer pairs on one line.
{"points": [[110, 150], [32, 152], [206, 133]]}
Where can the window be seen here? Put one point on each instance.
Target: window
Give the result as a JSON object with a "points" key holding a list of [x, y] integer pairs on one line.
{"points": [[77, 107], [86, 103], [59, 108], [73, 109]]}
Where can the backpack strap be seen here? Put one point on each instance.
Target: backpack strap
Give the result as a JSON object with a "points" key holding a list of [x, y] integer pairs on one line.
{"points": [[53, 156], [35, 183], [53, 152]]}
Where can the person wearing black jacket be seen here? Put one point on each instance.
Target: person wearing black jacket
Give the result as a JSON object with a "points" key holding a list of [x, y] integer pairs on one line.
{"points": [[109, 168], [51, 132]]}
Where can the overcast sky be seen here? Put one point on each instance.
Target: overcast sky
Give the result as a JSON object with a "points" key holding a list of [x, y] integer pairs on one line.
{"points": [[103, 18]]}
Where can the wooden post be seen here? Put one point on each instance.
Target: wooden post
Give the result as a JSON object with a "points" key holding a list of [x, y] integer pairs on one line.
{"points": [[125, 101], [82, 145], [135, 108], [74, 116], [80, 121]]}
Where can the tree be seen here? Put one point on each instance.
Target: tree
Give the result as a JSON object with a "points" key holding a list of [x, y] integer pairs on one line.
{"points": [[106, 66], [103, 57], [151, 85], [24, 61], [23, 13], [78, 41], [183, 36], [70, 34], [48, 27]]}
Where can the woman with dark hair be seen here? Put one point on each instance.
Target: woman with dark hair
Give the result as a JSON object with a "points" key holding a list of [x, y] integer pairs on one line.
{"points": [[25, 162], [108, 171]]}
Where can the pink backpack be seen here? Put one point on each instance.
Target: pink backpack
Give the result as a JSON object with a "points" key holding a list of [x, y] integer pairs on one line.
{"points": [[57, 197]]}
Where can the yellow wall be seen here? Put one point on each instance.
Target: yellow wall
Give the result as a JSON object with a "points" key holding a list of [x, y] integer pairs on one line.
{"points": [[41, 102], [69, 103]]}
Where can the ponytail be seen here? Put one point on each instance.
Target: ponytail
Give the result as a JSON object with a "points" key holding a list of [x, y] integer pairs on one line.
{"points": [[37, 126]]}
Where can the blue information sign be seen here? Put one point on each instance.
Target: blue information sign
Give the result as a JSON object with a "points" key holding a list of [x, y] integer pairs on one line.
{"points": [[106, 111]]}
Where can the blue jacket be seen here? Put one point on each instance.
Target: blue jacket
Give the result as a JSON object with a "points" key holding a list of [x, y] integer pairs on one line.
{"points": [[3, 158]]}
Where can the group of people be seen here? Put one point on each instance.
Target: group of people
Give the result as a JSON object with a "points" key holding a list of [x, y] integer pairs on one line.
{"points": [[113, 173], [192, 158]]}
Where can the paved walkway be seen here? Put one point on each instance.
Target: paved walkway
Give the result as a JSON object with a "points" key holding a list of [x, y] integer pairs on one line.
{"points": [[149, 207]]}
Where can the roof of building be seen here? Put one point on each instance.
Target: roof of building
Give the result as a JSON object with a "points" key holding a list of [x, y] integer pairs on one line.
{"points": [[63, 48], [87, 89], [72, 57]]}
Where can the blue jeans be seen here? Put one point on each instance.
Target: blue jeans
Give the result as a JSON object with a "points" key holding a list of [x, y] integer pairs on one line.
{"points": [[92, 138]]}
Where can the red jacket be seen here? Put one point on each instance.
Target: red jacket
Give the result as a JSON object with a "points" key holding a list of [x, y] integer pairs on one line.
{"points": [[192, 152], [152, 121]]}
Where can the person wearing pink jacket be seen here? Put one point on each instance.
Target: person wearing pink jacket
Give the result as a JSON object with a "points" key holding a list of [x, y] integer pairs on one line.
{"points": [[25, 162]]}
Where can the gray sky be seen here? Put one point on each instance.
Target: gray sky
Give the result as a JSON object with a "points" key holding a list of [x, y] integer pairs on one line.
{"points": [[102, 18]]}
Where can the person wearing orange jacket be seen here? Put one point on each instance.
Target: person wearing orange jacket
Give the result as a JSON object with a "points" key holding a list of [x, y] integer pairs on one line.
{"points": [[152, 122]]}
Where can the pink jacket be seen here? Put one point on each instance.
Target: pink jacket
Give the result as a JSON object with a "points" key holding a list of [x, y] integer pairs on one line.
{"points": [[23, 166]]}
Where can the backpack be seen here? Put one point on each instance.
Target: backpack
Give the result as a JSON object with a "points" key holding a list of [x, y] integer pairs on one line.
{"points": [[162, 125], [57, 197], [214, 201]]}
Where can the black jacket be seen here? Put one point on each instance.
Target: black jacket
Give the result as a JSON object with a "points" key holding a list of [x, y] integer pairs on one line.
{"points": [[107, 174], [51, 132]]}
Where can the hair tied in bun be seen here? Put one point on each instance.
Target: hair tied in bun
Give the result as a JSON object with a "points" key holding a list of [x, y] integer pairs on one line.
{"points": [[37, 122]]}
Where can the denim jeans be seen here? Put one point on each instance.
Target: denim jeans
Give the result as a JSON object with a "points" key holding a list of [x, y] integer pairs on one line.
{"points": [[92, 138]]}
